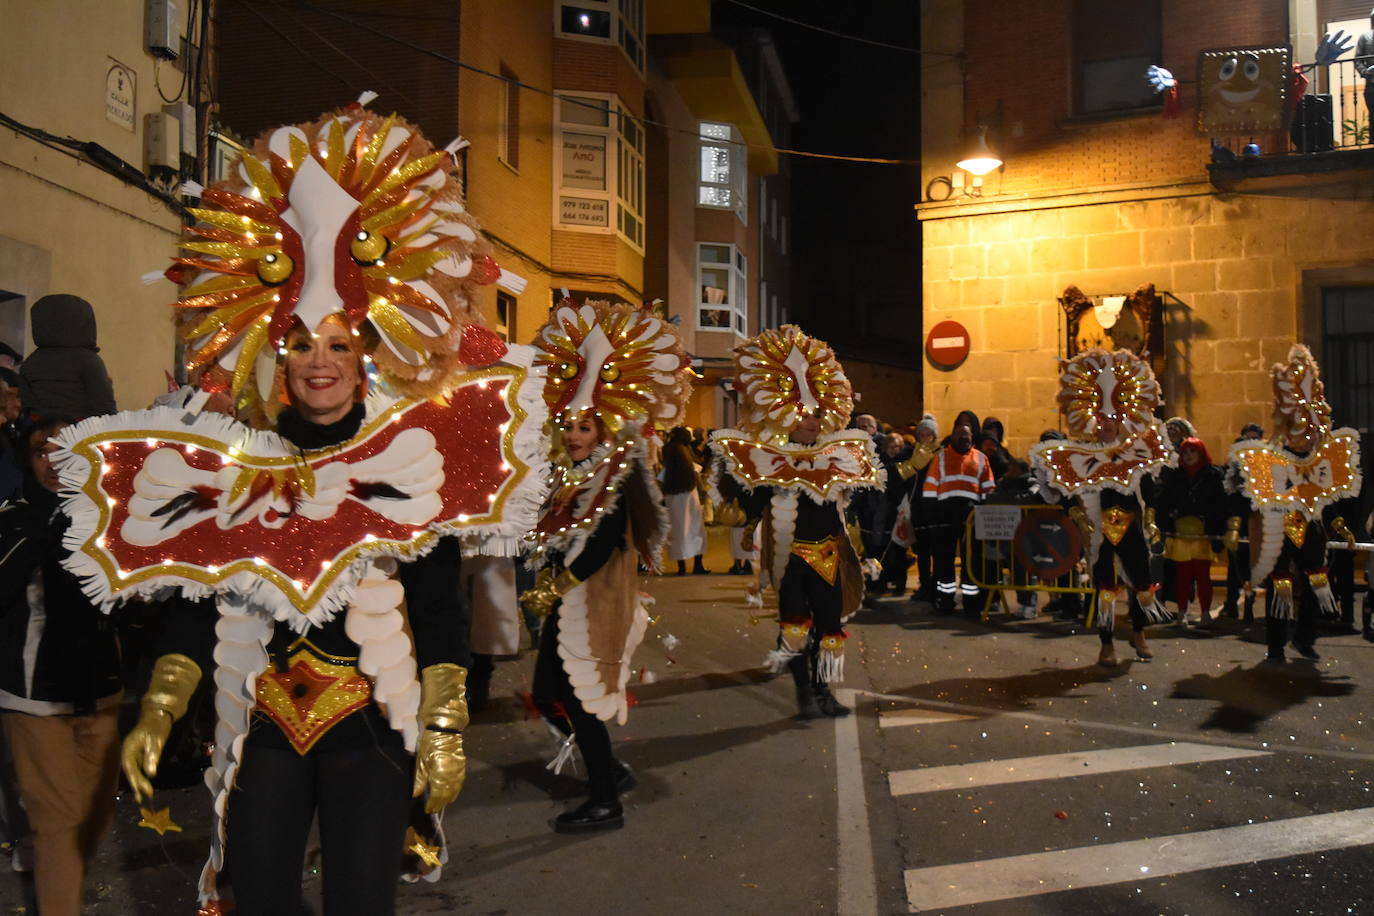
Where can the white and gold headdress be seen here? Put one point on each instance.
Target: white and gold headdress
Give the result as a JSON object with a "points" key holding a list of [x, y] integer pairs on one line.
{"points": [[784, 374], [353, 214]]}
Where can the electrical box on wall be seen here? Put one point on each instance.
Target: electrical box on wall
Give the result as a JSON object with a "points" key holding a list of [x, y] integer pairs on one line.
{"points": [[161, 143], [161, 35], [186, 117]]}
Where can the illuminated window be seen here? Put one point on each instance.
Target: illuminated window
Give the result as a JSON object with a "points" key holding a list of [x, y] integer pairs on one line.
{"points": [[619, 21], [601, 167], [723, 172], [724, 300]]}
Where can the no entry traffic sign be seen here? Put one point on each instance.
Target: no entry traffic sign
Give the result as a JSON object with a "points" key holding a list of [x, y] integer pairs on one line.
{"points": [[947, 344]]}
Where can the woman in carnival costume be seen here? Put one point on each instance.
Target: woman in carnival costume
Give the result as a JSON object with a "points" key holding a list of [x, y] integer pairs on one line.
{"points": [[799, 465], [338, 637], [1108, 400], [612, 370], [1192, 512], [1306, 467]]}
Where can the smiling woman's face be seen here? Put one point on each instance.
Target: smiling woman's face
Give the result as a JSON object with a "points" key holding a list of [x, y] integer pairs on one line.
{"points": [[322, 373]]}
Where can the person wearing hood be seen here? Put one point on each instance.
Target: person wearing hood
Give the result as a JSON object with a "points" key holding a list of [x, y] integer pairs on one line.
{"points": [[65, 374], [1192, 513]]}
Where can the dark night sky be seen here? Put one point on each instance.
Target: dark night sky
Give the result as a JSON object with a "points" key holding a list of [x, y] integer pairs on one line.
{"points": [[855, 236]]}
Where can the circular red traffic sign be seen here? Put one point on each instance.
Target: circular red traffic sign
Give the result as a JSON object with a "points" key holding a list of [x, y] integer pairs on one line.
{"points": [[947, 344]]}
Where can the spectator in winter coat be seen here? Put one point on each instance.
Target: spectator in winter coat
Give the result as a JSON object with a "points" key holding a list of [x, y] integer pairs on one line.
{"points": [[65, 374], [59, 687]]}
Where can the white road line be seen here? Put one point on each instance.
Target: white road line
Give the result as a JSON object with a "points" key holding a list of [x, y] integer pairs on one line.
{"points": [[1058, 766], [945, 886], [858, 891], [898, 717]]}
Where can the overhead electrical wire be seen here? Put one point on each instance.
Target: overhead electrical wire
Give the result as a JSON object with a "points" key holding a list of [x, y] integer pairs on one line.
{"points": [[643, 122], [845, 35]]}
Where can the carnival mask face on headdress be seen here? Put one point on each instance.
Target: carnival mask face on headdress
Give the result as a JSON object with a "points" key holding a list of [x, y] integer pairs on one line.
{"points": [[783, 375], [353, 214], [1107, 396], [1302, 417], [624, 365]]}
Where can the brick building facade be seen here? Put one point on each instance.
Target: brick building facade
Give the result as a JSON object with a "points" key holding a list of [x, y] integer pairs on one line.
{"points": [[1107, 196]]}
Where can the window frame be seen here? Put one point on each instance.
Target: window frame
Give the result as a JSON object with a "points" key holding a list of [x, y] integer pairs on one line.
{"points": [[626, 26], [623, 178], [736, 293], [506, 328], [508, 121]]}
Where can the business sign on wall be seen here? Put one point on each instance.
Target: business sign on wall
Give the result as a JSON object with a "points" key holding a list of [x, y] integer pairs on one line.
{"points": [[947, 344], [120, 98]]}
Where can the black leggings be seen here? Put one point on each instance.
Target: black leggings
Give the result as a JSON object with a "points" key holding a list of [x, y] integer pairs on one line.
{"points": [[362, 798], [805, 596], [553, 695]]}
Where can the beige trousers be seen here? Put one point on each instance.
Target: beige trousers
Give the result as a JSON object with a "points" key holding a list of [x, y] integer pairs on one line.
{"points": [[67, 768]]}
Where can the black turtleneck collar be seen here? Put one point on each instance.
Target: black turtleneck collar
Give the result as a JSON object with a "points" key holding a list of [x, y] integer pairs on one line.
{"points": [[303, 434]]}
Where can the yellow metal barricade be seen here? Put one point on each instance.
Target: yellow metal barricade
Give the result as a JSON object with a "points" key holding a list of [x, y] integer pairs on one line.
{"points": [[1030, 548]]}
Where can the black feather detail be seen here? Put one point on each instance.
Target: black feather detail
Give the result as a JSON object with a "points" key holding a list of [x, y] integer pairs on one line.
{"points": [[198, 500], [364, 490]]}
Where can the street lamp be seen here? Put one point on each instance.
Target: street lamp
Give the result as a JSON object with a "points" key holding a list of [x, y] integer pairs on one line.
{"points": [[980, 158]]}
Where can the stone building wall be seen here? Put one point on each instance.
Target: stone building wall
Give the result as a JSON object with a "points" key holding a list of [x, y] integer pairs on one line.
{"points": [[1238, 275]]}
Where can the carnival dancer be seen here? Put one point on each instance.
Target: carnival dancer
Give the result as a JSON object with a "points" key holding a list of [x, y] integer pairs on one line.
{"points": [[1191, 509], [612, 370], [1289, 480], [799, 464], [337, 637], [1108, 400]]}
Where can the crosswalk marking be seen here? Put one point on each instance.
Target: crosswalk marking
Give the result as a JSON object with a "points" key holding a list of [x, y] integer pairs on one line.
{"points": [[1056, 766], [945, 886], [898, 717]]}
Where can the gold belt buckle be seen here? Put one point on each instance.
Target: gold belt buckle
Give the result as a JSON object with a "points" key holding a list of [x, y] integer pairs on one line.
{"points": [[1295, 527]]}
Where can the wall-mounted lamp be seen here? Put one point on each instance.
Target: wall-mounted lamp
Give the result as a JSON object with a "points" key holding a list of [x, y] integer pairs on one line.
{"points": [[980, 159]]}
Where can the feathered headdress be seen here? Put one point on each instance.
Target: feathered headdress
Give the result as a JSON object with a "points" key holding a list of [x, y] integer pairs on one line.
{"points": [[784, 374], [1097, 385], [624, 364], [353, 214], [1302, 417]]}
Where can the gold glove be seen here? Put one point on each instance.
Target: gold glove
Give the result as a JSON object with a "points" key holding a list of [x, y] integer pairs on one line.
{"points": [[1080, 518], [1150, 528], [440, 765], [1339, 526], [1231, 539], [548, 588], [919, 459], [173, 682]]}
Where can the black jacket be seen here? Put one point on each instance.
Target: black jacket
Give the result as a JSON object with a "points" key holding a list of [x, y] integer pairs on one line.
{"points": [[65, 374], [58, 653]]}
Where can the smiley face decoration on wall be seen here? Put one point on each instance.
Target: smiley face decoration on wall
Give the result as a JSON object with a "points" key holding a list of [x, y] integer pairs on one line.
{"points": [[1243, 90]]}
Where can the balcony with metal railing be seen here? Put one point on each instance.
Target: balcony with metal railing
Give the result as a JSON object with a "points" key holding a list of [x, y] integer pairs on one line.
{"points": [[1328, 141]]}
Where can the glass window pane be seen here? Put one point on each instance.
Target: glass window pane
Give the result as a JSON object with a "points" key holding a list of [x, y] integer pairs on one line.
{"points": [[715, 285], [576, 109], [713, 254], [584, 161], [715, 164], [714, 318], [578, 20], [715, 131]]}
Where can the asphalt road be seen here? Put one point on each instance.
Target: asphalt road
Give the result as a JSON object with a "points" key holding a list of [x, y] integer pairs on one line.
{"points": [[988, 770]]}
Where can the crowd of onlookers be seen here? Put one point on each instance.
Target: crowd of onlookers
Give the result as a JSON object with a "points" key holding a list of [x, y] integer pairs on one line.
{"points": [[919, 521]]}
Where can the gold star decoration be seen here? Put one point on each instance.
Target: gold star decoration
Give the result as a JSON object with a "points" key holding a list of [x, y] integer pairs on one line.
{"points": [[426, 853], [161, 820]]}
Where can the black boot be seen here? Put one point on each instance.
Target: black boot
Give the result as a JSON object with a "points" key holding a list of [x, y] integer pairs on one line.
{"points": [[682, 567], [697, 568], [1249, 613], [747, 568], [591, 816], [1368, 628], [807, 706], [828, 705]]}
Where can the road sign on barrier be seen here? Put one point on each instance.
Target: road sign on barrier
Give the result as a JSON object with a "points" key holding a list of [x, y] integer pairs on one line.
{"points": [[995, 523]]}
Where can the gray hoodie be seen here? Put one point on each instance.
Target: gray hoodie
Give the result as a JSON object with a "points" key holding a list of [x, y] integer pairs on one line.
{"points": [[65, 375]]}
